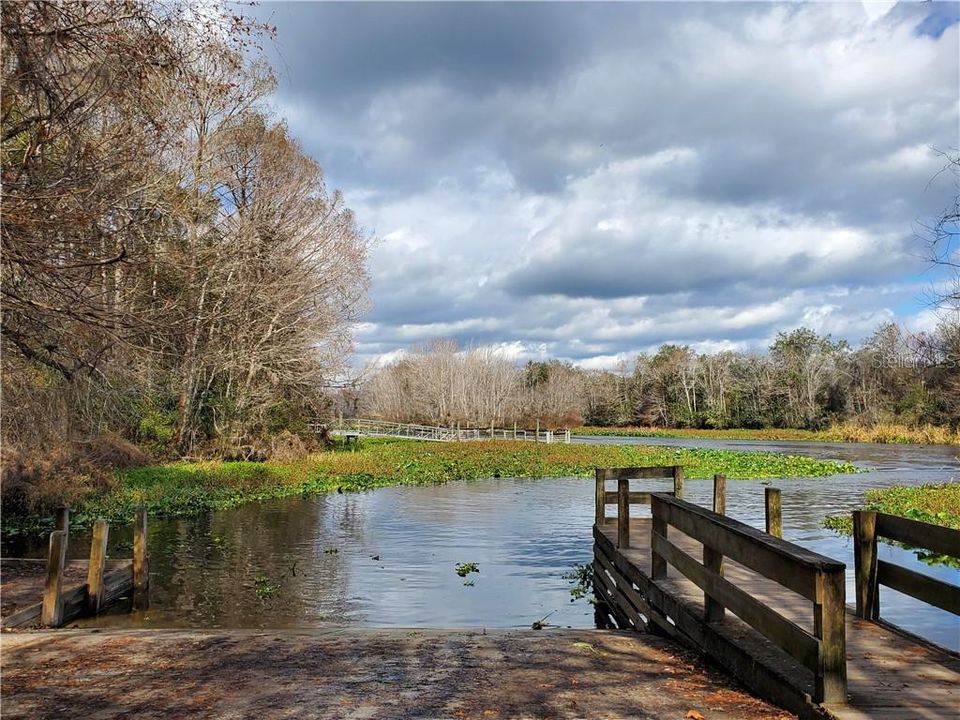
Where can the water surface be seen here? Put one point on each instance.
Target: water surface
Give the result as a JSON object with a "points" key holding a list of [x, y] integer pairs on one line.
{"points": [[387, 557]]}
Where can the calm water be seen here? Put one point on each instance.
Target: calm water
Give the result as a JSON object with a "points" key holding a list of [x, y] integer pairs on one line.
{"points": [[388, 557]]}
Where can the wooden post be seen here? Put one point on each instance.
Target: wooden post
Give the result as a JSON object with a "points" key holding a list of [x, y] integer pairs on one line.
{"points": [[567, 439], [514, 431], [658, 564], [51, 613], [713, 611], [62, 520], [141, 570], [773, 513], [720, 494], [678, 482], [623, 513], [865, 564], [98, 559], [600, 517], [536, 438], [830, 681]]}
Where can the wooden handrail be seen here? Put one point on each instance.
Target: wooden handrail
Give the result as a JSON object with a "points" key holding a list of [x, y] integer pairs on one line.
{"points": [[814, 576], [871, 572], [623, 498]]}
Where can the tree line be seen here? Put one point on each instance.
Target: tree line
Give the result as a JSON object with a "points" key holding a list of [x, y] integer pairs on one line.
{"points": [[175, 269], [804, 380]]}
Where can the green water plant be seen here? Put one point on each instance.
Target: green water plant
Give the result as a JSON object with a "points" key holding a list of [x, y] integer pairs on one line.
{"points": [[184, 489], [937, 504], [264, 588], [464, 569]]}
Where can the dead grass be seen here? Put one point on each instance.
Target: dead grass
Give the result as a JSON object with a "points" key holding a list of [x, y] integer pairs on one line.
{"points": [[37, 480]]}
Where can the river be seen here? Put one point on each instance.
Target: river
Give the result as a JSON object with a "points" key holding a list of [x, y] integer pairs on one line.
{"points": [[388, 557]]}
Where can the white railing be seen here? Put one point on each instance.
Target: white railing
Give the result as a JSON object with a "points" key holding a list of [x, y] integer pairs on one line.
{"points": [[356, 427]]}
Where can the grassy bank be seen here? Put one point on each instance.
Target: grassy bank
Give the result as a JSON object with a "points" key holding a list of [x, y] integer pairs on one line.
{"points": [[882, 434], [184, 489], [938, 504]]}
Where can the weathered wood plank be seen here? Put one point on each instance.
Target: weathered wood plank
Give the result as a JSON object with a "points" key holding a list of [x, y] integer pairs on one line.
{"points": [[611, 598], [713, 609], [829, 625], [890, 673], [600, 514], [720, 494], [617, 598], [62, 520], [788, 636], [98, 558], [636, 497], [639, 473], [52, 613], [141, 570], [939, 539], [788, 564], [117, 585], [626, 590], [773, 511], [788, 685], [623, 513], [923, 587], [865, 564], [678, 481]]}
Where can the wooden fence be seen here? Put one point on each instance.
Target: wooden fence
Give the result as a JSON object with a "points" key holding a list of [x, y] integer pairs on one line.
{"points": [[815, 577], [108, 582], [872, 572]]}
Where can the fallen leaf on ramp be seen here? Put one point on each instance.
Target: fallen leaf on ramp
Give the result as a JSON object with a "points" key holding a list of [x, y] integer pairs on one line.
{"points": [[587, 646], [694, 715]]}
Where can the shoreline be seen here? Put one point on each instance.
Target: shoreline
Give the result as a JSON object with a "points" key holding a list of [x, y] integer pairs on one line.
{"points": [[881, 435], [187, 489]]}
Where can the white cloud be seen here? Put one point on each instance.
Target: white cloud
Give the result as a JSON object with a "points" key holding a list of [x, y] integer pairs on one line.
{"points": [[706, 174]]}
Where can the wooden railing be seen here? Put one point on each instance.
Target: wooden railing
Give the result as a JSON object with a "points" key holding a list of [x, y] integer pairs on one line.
{"points": [[871, 572], [623, 498], [437, 433], [815, 577]]}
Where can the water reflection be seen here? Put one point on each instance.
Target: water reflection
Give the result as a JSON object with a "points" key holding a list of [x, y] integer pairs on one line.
{"points": [[388, 557]]}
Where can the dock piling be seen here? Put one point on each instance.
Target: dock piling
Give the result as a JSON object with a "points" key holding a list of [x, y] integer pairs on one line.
{"points": [[720, 494], [773, 512], [678, 481], [52, 612], [141, 571], [98, 559], [623, 513]]}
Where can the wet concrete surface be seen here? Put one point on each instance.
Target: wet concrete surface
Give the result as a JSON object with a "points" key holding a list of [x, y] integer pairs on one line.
{"points": [[356, 673]]}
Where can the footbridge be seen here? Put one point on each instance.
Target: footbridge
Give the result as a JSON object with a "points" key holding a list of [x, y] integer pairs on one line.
{"points": [[360, 427]]}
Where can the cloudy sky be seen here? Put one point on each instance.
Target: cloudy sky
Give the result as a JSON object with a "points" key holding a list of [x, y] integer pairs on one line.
{"points": [[590, 181]]}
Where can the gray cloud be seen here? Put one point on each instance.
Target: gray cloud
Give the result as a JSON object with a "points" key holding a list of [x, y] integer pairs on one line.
{"points": [[587, 180]]}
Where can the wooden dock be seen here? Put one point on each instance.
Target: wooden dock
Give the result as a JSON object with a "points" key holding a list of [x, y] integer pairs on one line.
{"points": [[53, 591], [771, 612], [23, 597]]}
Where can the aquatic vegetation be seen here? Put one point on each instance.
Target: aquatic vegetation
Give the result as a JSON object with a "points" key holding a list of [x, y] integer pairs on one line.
{"points": [[938, 504], [464, 569], [881, 433], [264, 588], [581, 576], [185, 489]]}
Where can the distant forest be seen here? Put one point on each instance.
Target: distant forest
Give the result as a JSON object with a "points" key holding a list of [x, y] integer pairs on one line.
{"points": [[805, 380]]}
